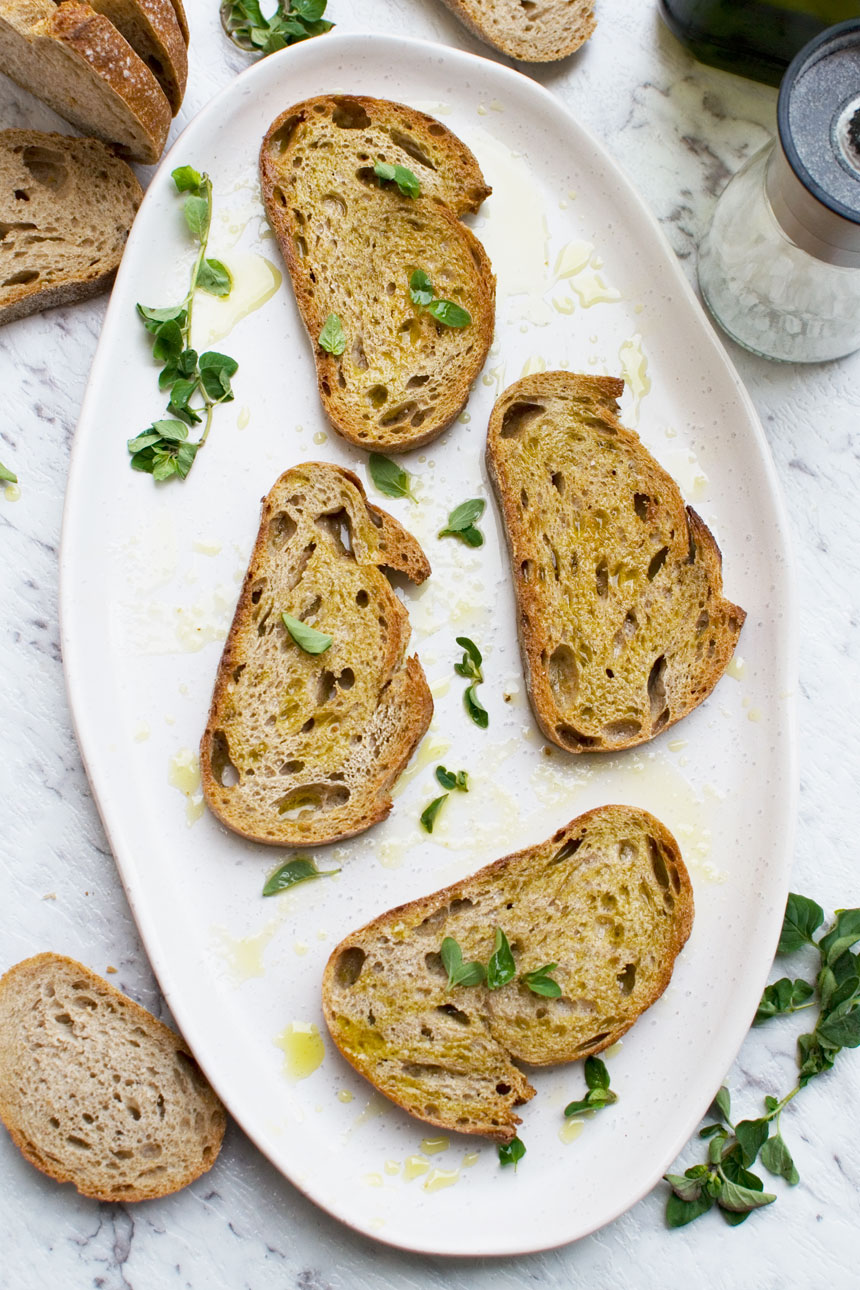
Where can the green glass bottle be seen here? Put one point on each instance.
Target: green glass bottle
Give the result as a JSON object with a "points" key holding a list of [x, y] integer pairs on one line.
{"points": [[755, 38]]}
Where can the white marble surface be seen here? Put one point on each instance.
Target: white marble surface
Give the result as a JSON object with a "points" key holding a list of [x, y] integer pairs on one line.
{"points": [[680, 130]]}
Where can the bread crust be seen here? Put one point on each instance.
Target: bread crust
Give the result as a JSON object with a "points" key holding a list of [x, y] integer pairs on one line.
{"points": [[152, 29], [66, 53], [353, 786], [43, 1153], [514, 893], [94, 176], [420, 391], [555, 411], [509, 27]]}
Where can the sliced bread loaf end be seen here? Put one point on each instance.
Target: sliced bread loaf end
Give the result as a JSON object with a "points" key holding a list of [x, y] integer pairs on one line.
{"points": [[528, 31], [76, 61], [66, 206], [95, 1090]]}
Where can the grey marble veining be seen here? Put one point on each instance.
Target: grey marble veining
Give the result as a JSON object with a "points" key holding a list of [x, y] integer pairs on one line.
{"points": [[679, 130]]}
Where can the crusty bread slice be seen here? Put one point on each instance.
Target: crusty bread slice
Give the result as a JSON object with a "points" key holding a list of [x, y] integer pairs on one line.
{"points": [[303, 748], [622, 622], [152, 29], [351, 245], [95, 1090], [532, 31], [607, 899], [66, 207], [78, 63]]}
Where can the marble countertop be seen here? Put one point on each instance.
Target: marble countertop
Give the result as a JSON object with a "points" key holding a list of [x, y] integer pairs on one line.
{"points": [[680, 130]]}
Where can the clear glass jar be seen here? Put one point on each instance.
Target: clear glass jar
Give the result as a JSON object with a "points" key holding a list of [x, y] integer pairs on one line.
{"points": [[769, 294]]}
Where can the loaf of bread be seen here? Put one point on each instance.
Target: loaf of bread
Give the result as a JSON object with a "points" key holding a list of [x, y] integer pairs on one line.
{"points": [[66, 207], [96, 1091], [152, 29], [607, 900], [622, 622], [532, 31], [302, 748], [352, 241], [76, 61]]}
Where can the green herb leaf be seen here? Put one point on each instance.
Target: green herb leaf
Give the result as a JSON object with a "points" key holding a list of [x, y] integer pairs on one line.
{"points": [[510, 1153], [813, 1059], [214, 277], [162, 451], [402, 176], [751, 1136], [840, 1032], [449, 313], [715, 1147], [844, 933], [421, 288], [451, 780], [472, 659], [6, 475], [685, 1187], [681, 1212], [723, 1103], [332, 338], [389, 478], [169, 341], [197, 211], [461, 522], [459, 973], [711, 1129], [428, 815], [784, 996], [539, 982], [475, 708], [153, 318], [741, 1200], [293, 872], [802, 918], [501, 968], [187, 179], [215, 373], [307, 638], [776, 1157], [596, 1074]]}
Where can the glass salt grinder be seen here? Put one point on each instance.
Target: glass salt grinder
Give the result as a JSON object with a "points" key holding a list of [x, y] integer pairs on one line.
{"points": [[779, 267]]}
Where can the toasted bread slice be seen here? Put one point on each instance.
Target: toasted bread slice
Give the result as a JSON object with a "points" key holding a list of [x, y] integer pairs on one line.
{"points": [[76, 61], [351, 244], [95, 1090], [622, 622], [530, 32], [152, 29], [66, 206], [303, 748], [607, 899]]}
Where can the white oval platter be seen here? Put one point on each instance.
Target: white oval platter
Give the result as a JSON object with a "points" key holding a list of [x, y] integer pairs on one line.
{"points": [[149, 579]]}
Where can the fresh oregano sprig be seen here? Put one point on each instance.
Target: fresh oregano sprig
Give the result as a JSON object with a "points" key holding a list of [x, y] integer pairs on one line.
{"points": [[447, 312], [451, 781], [726, 1179], [296, 20], [164, 450], [461, 522], [599, 1093], [500, 970], [405, 179], [470, 667], [6, 475], [511, 1153]]}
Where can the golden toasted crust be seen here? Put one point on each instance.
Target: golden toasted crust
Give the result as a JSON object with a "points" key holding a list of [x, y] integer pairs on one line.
{"points": [[622, 623], [96, 1091], [351, 243], [73, 190], [530, 33], [607, 899], [304, 748]]}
